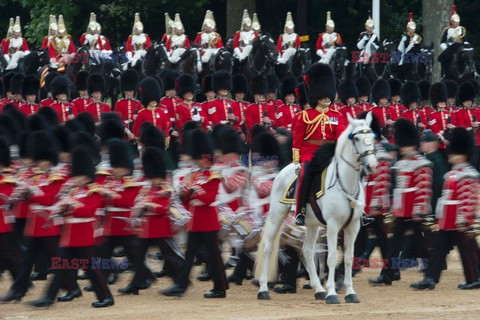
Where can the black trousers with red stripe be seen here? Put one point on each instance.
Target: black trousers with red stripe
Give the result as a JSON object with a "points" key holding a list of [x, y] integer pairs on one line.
{"points": [[61, 275], [214, 259], [11, 255], [467, 248]]}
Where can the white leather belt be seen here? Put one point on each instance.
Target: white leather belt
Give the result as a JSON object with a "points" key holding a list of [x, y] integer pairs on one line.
{"points": [[405, 190], [72, 220], [38, 207], [451, 202], [114, 209]]}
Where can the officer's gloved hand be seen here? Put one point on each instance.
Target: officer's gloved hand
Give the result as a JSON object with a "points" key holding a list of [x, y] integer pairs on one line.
{"points": [[298, 168]]}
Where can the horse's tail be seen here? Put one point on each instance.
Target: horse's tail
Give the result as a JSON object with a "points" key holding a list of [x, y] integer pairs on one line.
{"points": [[260, 257]]}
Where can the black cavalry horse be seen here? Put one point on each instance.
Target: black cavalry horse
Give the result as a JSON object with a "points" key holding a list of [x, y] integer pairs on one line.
{"points": [[458, 63]]}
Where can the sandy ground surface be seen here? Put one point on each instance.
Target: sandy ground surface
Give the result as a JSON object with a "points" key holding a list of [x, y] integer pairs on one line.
{"points": [[395, 302]]}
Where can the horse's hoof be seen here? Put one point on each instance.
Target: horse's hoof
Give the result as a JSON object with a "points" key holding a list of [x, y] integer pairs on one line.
{"points": [[333, 299], [320, 295], [263, 295], [352, 298]]}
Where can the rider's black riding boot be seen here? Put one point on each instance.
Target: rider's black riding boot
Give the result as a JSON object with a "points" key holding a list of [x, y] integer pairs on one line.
{"points": [[302, 195]]}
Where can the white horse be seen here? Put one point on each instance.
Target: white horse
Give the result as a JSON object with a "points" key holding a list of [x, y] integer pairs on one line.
{"points": [[342, 205]]}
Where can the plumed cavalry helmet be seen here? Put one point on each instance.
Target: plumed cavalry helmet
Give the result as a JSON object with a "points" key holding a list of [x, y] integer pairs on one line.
{"points": [[330, 22], [246, 19], [92, 23], [454, 15], [169, 24], [178, 22], [256, 24], [411, 24], [137, 24], [289, 22], [209, 20]]}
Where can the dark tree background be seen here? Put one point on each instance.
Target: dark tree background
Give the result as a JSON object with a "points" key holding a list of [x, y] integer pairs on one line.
{"points": [[116, 16]]}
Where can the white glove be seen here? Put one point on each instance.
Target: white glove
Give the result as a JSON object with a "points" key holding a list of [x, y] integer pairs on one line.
{"points": [[298, 168], [365, 37], [404, 38]]}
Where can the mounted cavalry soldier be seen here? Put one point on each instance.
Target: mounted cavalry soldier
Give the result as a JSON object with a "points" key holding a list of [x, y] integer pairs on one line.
{"points": [[178, 43], [328, 41], [168, 29], [243, 39], [288, 42], [256, 24], [15, 47], [368, 42], [9, 31], [90, 38], [138, 42], [314, 128], [52, 31], [60, 46], [410, 42], [209, 40]]}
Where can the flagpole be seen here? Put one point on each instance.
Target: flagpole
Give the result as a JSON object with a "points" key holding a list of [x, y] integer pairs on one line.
{"points": [[376, 16]]}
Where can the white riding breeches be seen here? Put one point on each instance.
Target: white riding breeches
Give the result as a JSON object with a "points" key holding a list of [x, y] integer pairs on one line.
{"points": [[326, 56], [137, 56], [177, 55], [13, 61], [287, 54], [243, 53], [208, 53]]}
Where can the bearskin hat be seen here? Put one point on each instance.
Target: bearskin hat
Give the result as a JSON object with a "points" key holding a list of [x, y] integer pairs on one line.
{"points": [[150, 136], [259, 85], [62, 134], [6, 80], [461, 142], [395, 87], [185, 83], [187, 128], [21, 142], [96, 82], [347, 89], [207, 84], [438, 93], [405, 133], [59, 85], [273, 84], [380, 89], [239, 84], [30, 85], [410, 93], [168, 78], [301, 94], [81, 80], [82, 163], [11, 124], [129, 80], [320, 83], [216, 136], [50, 114], [424, 88], [476, 86], [5, 160], [110, 129], [48, 81], [2, 88], [199, 144], [15, 113], [42, 146], [120, 154], [363, 86], [82, 138], [16, 83], [87, 121], [266, 145], [36, 122], [153, 160], [466, 92], [374, 125], [288, 86], [230, 141], [150, 90], [452, 89], [221, 80]]}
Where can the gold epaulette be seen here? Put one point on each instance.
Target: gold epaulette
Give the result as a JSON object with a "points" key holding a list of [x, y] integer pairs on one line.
{"points": [[56, 177], [141, 111], [214, 175], [94, 188], [102, 172], [335, 110], [8, 179], [199, 32], [130, 183]]}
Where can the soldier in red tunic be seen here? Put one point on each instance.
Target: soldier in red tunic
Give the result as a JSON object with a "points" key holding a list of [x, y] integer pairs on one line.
{"points": [[364, 87], [49, 100], [60, 90], [8, 94], [455, 214], [96, 89], [440, 121], [287, 112], [288, 41], [83, 99], [396, 90], [411, 98], [318, 127], [16, 89], [208, 39], [348, 93], [171, 99], [224, 110], [257, 113], [411, 196], [128, 107], [30, 87], [150, 95], [188, 110], [380, 107], [78, 206], [452, 89], [424, 87], [152, 206], [240, 90], [200, 191], [273, 88], [40, 192]]}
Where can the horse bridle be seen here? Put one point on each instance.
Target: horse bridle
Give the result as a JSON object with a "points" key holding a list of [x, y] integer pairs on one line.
{"points": [[359, 156]]}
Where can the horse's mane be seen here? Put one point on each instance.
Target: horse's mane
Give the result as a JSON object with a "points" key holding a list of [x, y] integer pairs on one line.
{"points": [[342, 140]]}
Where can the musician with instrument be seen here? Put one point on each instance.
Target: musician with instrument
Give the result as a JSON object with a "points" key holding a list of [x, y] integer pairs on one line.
{"points": [[15, 47], [368, 42], [257, 112], [208, 40], [178, 43], [328, 41], [61, 48], [288, 41], [243, 39], [137, 43], [455, 33], [96, 89], [410, 42], [223, 110], [456, 215], [288, 111]]}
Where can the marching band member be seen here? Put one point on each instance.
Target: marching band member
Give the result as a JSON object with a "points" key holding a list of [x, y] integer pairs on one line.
{"points": [[138, 42], [128, 107], [288, 42], [257, 112], [287, 112], [243, 39], [61, 91], [200, 192], [328, 41], [30, 87], [410, 41], [209, 40], [240, 90], [455, 214], [188, 110], [77, 239], [83, 99], [178, 43], [455, 33], [223, 110], [96, 89]]}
